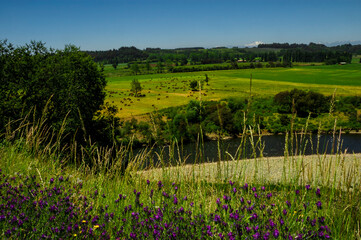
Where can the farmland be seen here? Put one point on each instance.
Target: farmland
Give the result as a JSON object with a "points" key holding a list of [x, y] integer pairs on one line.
{"points": [[172, 89]]}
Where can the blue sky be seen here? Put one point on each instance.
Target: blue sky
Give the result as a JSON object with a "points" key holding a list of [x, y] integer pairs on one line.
{"points": [[107, 24]]}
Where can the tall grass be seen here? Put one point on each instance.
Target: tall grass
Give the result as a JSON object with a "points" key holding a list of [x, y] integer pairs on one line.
{"points": [[33, 149]]}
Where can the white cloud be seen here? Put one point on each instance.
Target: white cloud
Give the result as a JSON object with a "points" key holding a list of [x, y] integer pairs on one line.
{"points": [[254, 44]]}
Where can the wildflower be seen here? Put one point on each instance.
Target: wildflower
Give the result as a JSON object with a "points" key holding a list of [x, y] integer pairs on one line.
{"points": [[231, 183], [227, 198], [51, 180], [234, 190], [269, 195], [175, 200], [96, 226], [308, 187], [256, 235], [263, 188], [160, 185], [61, 178], [297, 192], [217, 218], [319, 205], [318, 192], [284, 212], [276, 233], [254, 189], [148, 182], [282, 222]]}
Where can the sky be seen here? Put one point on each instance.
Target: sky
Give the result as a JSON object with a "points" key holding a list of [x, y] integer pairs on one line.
{"points": [[110, 24]]}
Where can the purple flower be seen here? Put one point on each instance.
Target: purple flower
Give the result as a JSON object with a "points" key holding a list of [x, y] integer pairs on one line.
{"points": [[297, 192], [282, 222], [254, 189], [234, 190], [231, 183], [276, 233], [318, 192], [308, 187], [256, 235], [254, 216], [263, 188], [61, 178], [284, 212], [245, 186], [288, 203], [51, 180], [160, 185], [272, 224], [225, 207], [148, 182], [319, 205], [218, 201], [175, 200]]}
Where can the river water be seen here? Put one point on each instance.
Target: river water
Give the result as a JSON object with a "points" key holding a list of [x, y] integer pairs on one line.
{"points": [[271, 145]]}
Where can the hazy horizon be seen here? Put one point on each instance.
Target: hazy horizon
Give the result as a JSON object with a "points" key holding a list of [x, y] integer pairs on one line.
{"points": [[110, 24]]}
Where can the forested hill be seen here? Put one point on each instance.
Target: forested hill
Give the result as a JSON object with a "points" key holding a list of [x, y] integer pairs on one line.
{"points": [[349, 48], [311, 52]]}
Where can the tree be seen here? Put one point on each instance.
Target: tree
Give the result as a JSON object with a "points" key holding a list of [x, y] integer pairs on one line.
{"points": [[193, 85], [147, 66], [65, 87], [115, 64], [135, 68], [206, 79], [160, 67], [136, 88]]}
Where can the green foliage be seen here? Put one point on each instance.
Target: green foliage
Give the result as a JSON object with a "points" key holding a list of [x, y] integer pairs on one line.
{"points": [[206, 80], [135, 68], [136, 88], [55, 84], [193, 85], [303, 102], [115, 64]]}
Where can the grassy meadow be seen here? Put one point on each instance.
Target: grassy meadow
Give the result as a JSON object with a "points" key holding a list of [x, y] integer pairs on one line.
{"points": [[290, 197], [172, 89]]}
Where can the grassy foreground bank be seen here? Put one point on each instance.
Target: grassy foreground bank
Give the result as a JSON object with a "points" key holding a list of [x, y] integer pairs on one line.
{"points": [[313, 197]]}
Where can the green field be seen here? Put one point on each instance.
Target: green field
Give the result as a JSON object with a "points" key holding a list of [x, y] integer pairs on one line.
{"points": [[172, 89]]}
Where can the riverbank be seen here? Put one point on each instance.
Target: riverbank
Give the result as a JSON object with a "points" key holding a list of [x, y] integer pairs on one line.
{"points": [[325, 169]]}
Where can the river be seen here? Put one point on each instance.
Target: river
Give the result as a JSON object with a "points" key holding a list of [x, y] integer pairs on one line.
{"points": [[272, 145]]}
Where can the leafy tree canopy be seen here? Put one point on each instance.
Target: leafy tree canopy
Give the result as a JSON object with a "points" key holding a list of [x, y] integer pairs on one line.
{"points": [[55, 84]]}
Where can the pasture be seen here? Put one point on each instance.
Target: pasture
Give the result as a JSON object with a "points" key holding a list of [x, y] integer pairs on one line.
{"points": [[172, 89]]}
